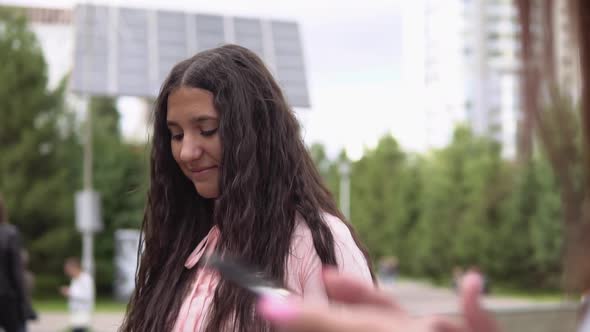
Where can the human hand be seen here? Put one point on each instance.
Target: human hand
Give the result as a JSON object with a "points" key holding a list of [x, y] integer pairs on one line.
{"points": [[476, 318], [370, 310]]}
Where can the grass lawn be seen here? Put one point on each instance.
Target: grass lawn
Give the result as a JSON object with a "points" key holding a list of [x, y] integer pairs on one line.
{"points": [[59, 304]]}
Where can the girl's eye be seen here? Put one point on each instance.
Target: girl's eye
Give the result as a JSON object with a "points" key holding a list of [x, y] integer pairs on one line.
{"points": [[177, 137], [208, 133]]}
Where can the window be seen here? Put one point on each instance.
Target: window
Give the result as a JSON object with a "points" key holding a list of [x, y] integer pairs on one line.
{"points": [[492, 36]]}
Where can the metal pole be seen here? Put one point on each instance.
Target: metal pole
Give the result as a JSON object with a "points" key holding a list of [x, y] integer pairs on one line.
{"points": [[87, 240], [87, 252], [345, 189], [87, 237], [87, 145]]}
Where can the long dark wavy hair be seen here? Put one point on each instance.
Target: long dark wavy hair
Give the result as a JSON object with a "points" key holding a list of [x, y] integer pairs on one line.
{"points": [[267, 176]]}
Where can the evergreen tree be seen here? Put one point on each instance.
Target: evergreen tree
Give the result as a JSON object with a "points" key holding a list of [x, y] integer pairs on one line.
{"points": [[33, 178]]}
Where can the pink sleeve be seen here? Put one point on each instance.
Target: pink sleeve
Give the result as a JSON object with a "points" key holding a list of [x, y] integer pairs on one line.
{"points": [[304, 274]]}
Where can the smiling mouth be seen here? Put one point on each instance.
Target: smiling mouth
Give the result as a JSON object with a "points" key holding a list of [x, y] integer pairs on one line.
{"points": [[201, 170]]}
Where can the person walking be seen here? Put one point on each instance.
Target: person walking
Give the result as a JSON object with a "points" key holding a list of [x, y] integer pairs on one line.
{"points": [[80, 295], [13, 299]]}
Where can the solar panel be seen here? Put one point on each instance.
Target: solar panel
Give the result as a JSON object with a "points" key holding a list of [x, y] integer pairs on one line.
{"points": [[125, 51]]}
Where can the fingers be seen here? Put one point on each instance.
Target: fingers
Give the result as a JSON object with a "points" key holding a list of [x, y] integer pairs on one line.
{"points": [[348, 290], [296, 317], [476, 318], [293, 316], [440, 324]]}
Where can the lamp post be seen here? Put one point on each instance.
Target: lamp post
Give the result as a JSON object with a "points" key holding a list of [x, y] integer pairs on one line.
{"points": [[324, 167], [344, 168], [88, 211]]}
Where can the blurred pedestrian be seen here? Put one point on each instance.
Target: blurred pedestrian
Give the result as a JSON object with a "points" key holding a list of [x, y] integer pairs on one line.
{"points": [[80, 295], [13, 299], [388, 269], [29, 279], [231, 173]]}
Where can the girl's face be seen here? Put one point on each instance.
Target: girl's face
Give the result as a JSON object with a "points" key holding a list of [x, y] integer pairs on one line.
{"points": [[193, 123]]}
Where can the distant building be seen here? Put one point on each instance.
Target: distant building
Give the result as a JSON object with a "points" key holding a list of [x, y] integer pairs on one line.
{"points": [[444, 69], [471, 69], [55, 34], [567, 60], [472, 66]]}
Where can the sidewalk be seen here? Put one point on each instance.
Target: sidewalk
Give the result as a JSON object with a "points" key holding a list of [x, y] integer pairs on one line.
{"points": [[422, 298], [58, 322], [418, 298]]}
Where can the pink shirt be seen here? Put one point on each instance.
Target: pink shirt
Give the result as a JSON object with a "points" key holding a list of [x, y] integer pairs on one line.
{"points": [[304, 269]]}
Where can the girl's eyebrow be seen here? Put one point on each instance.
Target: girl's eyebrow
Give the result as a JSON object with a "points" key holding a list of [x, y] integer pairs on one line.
{"points": [[198, 120]]}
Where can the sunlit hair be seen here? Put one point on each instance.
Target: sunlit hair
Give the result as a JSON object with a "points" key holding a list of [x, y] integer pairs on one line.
{"points": [[267, 176]]}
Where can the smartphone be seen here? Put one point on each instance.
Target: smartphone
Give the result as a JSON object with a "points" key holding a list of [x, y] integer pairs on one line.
{"points": [[246, 277]]}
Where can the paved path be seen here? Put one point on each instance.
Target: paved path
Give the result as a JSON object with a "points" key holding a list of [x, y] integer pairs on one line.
{"points": [[58, 322], [417, 297], [420, 298]]}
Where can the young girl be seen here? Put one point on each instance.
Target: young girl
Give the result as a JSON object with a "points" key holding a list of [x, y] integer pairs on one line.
{"points": [[230, 172]]}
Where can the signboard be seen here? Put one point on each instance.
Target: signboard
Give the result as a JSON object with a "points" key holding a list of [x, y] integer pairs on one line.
{"points": [[126, 245], [88, 212], [124, 51]]}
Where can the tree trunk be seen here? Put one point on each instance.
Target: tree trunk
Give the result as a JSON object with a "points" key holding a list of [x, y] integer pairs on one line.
{"points": [[528, 81], [577, 264], [583, 20], [549, 65], [576, 261], [557, 137]]}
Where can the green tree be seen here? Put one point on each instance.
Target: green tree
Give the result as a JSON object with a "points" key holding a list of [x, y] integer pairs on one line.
{"points": [[407, 209], [375, 188], [461, 203], [41, 164], [121, 179], [327, 168], [33, 178]]}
